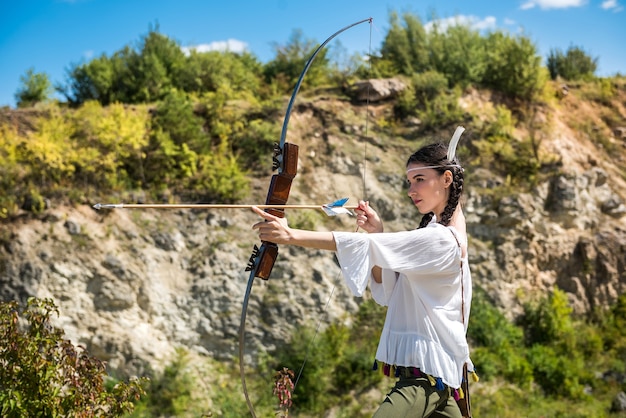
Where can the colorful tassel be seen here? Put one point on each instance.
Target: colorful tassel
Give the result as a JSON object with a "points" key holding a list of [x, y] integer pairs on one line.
{"points": [[439, 384], [375, 366], [456, 395]]}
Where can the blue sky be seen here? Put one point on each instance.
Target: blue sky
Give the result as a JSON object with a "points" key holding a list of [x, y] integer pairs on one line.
{"points": [[50, 35]]}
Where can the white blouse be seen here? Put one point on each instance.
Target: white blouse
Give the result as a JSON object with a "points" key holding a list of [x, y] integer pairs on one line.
{"points": [[421, 285]]}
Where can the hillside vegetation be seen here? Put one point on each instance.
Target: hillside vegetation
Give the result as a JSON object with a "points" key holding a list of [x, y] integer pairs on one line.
{"points": [[545, 156]]}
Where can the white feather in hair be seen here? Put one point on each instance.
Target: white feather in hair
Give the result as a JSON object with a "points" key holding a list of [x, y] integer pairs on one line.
{"points": [[454, 142]]}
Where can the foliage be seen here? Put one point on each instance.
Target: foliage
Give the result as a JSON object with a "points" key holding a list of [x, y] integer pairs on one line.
{"points": [[9, 171], [513, 67], [158, 64], [601, 90], [48, 151], [498, 148], [290, 60], [35, 88], [547, 346], [42, 374], [459, 53], [430, 100], [111, 141], [496, 343], [342, 358], [169, 393], [405, 46], [575, 64]]}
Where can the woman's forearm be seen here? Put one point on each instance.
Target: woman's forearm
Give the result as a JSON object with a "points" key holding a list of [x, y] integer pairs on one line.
{"points": [[322, 240], [377, 274]]}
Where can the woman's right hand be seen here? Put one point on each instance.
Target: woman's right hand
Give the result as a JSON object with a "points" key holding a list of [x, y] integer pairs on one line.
{"points": [[367, 218]]}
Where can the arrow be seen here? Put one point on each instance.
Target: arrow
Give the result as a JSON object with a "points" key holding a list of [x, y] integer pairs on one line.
{"points": [[331, 209]]}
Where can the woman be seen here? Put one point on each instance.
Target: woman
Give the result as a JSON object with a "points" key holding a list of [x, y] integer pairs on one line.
{"points": [[421, 275]]}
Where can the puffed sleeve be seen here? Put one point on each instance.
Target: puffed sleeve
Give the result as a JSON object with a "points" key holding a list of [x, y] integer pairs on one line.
{"points": [[427, 250]]}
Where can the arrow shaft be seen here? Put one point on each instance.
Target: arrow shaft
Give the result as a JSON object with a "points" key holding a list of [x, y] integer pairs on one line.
{"points": [[206, 206]]}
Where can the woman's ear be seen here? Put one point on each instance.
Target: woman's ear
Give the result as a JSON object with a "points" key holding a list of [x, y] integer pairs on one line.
{"points": [[447, 178]]}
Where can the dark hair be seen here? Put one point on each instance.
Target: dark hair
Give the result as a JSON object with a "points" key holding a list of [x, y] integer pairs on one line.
{"points": [[436, 155]]}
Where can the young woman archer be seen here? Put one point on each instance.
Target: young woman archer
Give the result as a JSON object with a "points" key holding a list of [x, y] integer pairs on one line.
{"points": [[421, 275]]}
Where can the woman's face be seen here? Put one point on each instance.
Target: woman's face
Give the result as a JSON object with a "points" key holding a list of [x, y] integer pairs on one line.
{"points": [[428, 189]]}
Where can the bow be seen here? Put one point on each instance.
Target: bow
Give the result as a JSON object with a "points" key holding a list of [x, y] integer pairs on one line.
{"points": [[285, 161]]}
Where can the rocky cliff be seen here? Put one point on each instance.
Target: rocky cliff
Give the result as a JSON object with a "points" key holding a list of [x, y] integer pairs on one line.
{"points": [[132, 285]]}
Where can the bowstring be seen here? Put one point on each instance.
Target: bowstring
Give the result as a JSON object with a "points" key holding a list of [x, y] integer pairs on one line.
{"points": [[364, 192]]}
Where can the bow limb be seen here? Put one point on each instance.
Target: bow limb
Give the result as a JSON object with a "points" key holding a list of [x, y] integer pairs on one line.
{"points": [[285, 161], [283, 134], [242, 326]]}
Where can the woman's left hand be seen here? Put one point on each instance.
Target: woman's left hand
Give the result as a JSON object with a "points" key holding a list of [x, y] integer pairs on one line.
{"points": [[273, 228]]}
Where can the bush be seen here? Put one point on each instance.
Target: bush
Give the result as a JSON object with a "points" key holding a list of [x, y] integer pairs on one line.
{"points": [[513, 67], [575, 64], [41, 374], [342, 357], [498, 149], [548, 321], [498, 343], [35, 88], [169, 393]]}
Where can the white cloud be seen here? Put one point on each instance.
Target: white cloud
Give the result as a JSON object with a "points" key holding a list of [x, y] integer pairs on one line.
{"points": [[231, 45], [509, 22], [552, 4], [88, 54], [612, 5], [473, 22]]}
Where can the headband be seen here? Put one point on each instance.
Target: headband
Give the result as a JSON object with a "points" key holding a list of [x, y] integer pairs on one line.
{"points": [[433, 166]]}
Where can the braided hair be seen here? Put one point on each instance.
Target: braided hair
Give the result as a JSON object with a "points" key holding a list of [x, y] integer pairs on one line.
{"points": [[436, 155]]}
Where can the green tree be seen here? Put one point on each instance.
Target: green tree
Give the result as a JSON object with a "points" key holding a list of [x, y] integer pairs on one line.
{"points": [[35, 88], [209, 71], [176, 138], [90, 81], [405, 46], [513, 67], [290, 60], [156, 68], [44, 375], [459, 53], [575, 64], [145, 73]]}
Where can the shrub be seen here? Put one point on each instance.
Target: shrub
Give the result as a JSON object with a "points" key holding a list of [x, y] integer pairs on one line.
{"points": [[35, 88], [575, 64], [513, 67], [169, 393], [41, 374], [498, 343]]}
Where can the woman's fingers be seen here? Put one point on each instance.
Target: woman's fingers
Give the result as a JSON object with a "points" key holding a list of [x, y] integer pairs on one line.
{"points": [[266, 216], [272, 228], [367, 218]]}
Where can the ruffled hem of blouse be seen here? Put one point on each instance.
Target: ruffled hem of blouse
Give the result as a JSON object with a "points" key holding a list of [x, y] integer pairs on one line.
{"points": [[428, 356]]}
